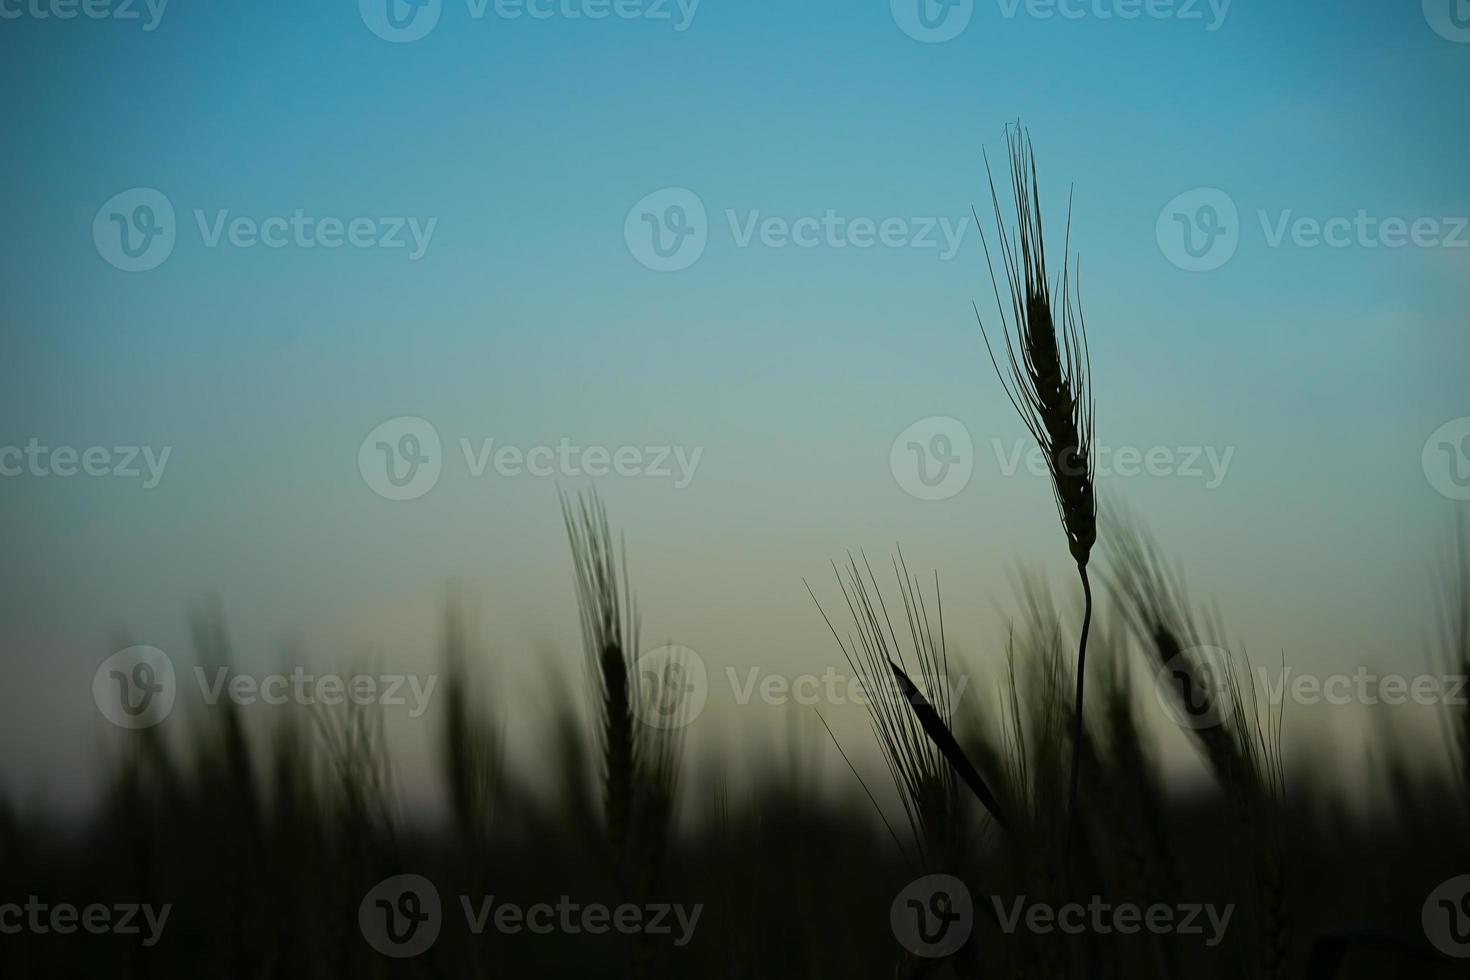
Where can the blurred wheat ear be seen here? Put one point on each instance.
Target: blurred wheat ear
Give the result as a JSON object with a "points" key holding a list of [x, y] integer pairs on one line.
{"points": [[1242, 747], [1047, 376], [1453, 608], [640, 762], [471, 745], [610, 634]]}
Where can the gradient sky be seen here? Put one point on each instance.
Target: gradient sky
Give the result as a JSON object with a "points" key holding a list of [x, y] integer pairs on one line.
{"points": [[528, 320]]}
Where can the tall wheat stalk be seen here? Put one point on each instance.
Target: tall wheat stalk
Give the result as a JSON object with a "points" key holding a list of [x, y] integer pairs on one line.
{"points": [[1047, 377]]}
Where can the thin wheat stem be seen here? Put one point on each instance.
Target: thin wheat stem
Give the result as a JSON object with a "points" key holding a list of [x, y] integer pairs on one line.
{"points": [[1077, 704]]}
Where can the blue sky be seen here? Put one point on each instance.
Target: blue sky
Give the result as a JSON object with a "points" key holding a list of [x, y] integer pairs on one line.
{"points": [[529, 320]]}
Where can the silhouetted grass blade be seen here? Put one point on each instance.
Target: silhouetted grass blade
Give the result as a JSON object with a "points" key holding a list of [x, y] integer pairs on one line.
{"points": [[940, 735]]}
